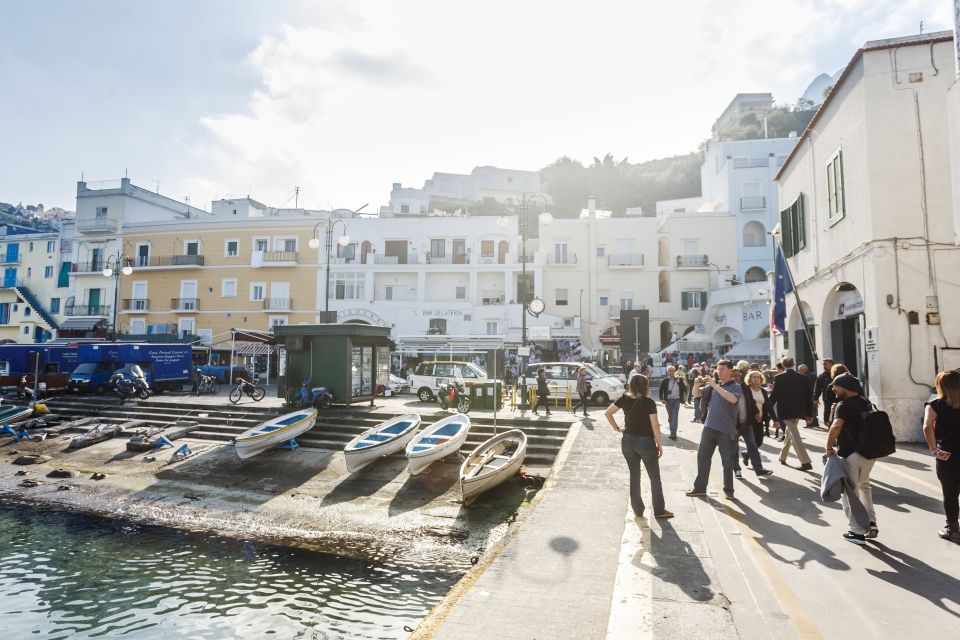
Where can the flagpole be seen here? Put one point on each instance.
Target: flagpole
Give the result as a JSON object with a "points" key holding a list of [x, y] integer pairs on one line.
{"points": [[803, 316]]}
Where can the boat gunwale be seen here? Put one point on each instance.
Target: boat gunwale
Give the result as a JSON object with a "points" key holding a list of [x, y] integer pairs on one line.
{"points": [[349, 449], [254, 437]]}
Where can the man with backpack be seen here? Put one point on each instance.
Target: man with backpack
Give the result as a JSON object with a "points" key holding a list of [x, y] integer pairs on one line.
{"points": [[861, 434]]}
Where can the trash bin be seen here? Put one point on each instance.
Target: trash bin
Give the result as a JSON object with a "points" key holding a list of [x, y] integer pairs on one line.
{"points": [[484, 395]]}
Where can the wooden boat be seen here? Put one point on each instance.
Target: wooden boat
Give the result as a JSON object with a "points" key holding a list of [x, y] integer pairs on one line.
{"points": [[382, 440], [437, 441], [491, 463], [273, 432], [13, 414]]}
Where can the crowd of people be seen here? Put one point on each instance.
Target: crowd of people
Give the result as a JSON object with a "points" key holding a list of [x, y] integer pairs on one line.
{"points": [[735, 401]]}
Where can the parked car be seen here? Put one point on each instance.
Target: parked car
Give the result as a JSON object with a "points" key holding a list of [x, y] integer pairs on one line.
{"points": [[398, 384], [430, 375], [617, 372], [563, 375]]}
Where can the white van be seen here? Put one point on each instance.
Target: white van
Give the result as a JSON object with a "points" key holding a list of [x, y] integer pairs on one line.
{"points": [[563, 375], [428, 377]]}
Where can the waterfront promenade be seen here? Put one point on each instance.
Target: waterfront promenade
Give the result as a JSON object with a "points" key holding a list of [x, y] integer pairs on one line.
{"points": [[769, 564]]}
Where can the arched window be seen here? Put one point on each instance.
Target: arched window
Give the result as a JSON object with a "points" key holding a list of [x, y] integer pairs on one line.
{"points": [[663, 254], [664, 286], [755, 274], [754, 235]]}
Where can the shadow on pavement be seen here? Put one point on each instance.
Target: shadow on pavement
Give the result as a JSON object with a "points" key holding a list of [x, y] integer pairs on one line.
{"points": [[916, 577], [899, 498], [367, 481], [806, 501], [677, 563], [422, 489]]}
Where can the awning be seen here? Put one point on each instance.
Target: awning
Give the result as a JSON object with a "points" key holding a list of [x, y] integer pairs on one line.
{"points": [[253, 349], [81, 323], [448, 344], [759, 348]]}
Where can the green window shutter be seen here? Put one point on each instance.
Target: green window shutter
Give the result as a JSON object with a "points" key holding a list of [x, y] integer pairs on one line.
{"points": [[801, 224], [786, 232], [684, 300], [703, 300]]}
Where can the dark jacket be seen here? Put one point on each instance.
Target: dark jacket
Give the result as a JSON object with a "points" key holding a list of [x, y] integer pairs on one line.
{"points": [[792, 395], [824, 388], [542, 389], [665, 389]]}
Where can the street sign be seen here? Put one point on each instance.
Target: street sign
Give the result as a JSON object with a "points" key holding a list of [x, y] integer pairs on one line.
{"points": [[538, 332], [523, 352]]}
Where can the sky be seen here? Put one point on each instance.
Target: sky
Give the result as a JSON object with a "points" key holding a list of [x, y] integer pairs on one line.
{"points": [[214, 98]]}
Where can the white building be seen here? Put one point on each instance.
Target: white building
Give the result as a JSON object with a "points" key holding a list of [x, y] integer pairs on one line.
{"points": [[482, 190], [31, 300], [867, 225]]}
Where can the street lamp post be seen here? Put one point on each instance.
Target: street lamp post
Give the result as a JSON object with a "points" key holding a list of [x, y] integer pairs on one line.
{"points": [[122, 264], [533, 306], [344, 240]]}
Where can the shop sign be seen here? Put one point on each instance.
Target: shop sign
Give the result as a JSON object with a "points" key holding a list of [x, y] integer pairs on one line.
{"points": [[442, 313]]}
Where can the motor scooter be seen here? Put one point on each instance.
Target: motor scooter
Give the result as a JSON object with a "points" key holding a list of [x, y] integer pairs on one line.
{"points": [[135, 385], [454, 394], [319, 397]]}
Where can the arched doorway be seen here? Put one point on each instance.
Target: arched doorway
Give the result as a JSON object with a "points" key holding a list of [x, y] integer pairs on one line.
{"points": [[502, 249], [725, 338], [798, 344], [665, 330], [755, 274], [843, 324]]}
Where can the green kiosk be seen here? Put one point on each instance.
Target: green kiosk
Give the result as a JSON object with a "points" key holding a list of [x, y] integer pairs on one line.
{"points": [[348, 358]]}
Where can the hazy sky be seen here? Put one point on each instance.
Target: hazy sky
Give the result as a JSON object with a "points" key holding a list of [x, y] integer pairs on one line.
{"points": [[218, 97]]}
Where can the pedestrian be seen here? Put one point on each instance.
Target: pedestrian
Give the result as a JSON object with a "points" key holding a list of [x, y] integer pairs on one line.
{"points": [[583, 390], [641, 443], [543, 392], [794, 400], [672, 393], [812, 379], [633, 372], [941, 428], [696, 392], [719, 430], [822, 389], [845, 433], [756, 408]]}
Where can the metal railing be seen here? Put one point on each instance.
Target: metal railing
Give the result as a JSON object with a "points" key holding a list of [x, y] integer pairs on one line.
{"points": [[169, 261], [750, 163], [411, 258], [160, 338], [5, 259], [625, 260], [87, 310], [184, 304], [692, 261], [752, 203], [97, 225], [93, 266], [281, 256], [136, 304], [277, 304], [567, 258]]}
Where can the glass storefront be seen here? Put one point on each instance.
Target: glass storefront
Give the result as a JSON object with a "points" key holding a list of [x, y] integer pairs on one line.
{"points": [[361, 372]]}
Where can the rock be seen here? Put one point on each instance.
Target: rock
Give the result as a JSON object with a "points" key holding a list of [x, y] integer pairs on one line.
{"points": [[22, 472], [98, 476], [29, 483], [25, 460], [61, 473], [63, 487], [453, 534]]}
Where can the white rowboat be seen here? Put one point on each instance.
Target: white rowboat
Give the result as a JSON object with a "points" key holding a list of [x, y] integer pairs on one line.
{"points": [[491, 463], [437, 441], [13, 414], [269, 434], [382, 440]]}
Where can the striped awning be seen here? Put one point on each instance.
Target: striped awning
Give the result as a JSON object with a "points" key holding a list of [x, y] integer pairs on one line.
{"points": [[253, 349]]}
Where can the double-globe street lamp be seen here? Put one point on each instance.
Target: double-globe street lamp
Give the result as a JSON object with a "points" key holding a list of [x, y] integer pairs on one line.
{"points": [[121, 264], [344, 240], [532, 305]]}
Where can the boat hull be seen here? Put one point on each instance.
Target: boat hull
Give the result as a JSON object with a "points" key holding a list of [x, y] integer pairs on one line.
{"points": [[357, 456], [274, 432], [13, 417], [434, 443], [473, 484]]}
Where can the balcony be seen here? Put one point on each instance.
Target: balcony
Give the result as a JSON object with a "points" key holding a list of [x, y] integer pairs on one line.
{"points": [[184, 304], [160, 338], [275, 259], [614, 310], [407, 259], [625, 260], [460, 258], [136, 304], [692, 262], [277, 304], [491, 299], [93, 266], [528, 259], [750, 163], [753, 203], [562, 259], [168, 262], [87, 310], [5, 259], [97, 226]]}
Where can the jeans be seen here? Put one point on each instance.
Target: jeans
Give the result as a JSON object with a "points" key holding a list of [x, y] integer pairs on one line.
{"points": [[673, 414], [753, 451], [792, 437], [710, 441], [697, 411], [637, 450], [584, 401], [858, 469], [948, 473]]}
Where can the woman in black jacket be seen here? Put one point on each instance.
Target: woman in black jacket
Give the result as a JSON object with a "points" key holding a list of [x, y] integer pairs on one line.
{"points": [[543, 391], [758, 411]]}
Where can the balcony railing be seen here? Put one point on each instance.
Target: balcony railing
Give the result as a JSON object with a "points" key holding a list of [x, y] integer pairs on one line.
{"points": [[5, 259], [491, 300], [94, 266], [277, 304], [381, 259], [625, 260], [459, 258], [97, 225], [168, 261], [87, 310], [692, 261], [753, 203], [136, 304], [565, 258], [750, 163], [160, 338], [281, 256], [184, 304], [528, 260], [614, 310]]}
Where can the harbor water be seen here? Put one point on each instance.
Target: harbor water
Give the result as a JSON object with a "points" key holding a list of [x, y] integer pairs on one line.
{"points": [[66, 575]]}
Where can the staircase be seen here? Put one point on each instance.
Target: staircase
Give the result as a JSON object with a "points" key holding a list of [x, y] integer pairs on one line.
{"points": [[334, 428], [24, 292]]}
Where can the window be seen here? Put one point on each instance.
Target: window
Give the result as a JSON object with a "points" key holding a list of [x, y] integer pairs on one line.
{"points": [[257, 291], [277, 321], [54, 305], [693, 300], [101, 212], [50, 246], [626, 301], [349, 286], [228, 287], [604, 301], [290, 245], [492, 329], [388, 293], [29, 271], [143, 254], [601, 252], [191, 248], [561, 297], [836, 203], [486, 248], [560, 252], [26, 311], [30, 248], [404, 208], [5, 313], [261, 244], [754, 235], [438, 248], [138, 326], [793, 232], [231, 248], [48, 272], [438, 326], [461, 293]]}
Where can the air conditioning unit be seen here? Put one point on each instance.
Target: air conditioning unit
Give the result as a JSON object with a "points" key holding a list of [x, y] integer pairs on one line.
{"points": [[568, 322]]}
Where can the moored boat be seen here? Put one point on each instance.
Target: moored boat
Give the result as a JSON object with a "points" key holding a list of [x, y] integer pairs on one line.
{"points": [[491, 463], [274, 432], [382, 440], [13, 414], [437, 441]]}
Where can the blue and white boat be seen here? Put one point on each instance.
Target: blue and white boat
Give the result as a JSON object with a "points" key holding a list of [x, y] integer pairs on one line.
{"points": [[271, 433], [382, 440], [437, 441], [13, 414]]}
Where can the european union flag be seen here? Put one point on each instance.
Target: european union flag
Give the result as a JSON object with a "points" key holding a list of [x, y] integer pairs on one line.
{"points": [[782, 285]]}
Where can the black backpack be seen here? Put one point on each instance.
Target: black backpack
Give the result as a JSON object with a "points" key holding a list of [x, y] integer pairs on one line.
{"points": [[876, 434]]}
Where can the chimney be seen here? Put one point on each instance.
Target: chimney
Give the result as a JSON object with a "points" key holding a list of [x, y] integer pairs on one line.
{"points": [[396, 186]]}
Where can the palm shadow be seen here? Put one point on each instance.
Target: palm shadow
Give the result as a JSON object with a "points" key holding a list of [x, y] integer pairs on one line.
{"points": [[917, 577]]}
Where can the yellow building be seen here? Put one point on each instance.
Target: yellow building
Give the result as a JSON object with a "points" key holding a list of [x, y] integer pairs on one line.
{"points": [[33, 288]]}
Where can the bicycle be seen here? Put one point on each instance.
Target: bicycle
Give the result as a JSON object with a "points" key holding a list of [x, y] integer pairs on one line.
{"points": [[208, 384], [243, 387]]}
